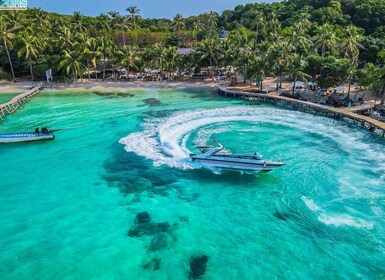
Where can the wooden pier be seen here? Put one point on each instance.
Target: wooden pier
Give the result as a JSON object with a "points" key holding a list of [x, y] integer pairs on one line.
{"points": [[347, 115], [11, 106]]}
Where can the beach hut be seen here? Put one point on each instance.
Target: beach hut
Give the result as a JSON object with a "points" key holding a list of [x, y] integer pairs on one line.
{"points": [[340, 89], [312, 85], [298, 86]]}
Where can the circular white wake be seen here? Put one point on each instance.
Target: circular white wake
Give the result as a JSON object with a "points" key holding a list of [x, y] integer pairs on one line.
{"points": [[164, 140]]}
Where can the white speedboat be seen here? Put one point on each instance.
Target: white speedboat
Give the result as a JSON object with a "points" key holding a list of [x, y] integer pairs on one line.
{"points": [[25, 137], [213, 157]]}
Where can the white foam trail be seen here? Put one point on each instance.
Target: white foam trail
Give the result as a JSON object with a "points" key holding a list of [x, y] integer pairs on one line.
{"points": [[164, 140], [310, 204], [344, 220], [336, 220]]}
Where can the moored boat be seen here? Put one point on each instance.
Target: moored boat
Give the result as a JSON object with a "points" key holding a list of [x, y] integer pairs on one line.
{"points": [[212, 157], [25, 137]]}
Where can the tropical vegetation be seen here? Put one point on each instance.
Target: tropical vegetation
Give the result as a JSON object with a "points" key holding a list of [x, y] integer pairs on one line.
{"points": [[328, 41]]}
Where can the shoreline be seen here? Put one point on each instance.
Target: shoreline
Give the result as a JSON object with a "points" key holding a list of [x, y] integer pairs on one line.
{"points": [[19, 87]]}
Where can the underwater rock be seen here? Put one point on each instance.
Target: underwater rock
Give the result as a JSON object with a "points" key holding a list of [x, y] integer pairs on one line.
{"points": [[148, 229], [121, 167], [159, 242], [125, 94], [161, 113], [109, 94], [153, 265], [142, 218], [152, 101], [184, 219], [189, 197], [281, 216], [198, 266], [160, 190]]}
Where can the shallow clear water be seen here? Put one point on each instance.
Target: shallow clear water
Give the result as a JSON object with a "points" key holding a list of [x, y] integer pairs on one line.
{"points": [[5, 97], [68, 206]]}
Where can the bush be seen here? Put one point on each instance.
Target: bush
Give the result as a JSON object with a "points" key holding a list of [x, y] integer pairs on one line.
{"points": [[4, 75]]}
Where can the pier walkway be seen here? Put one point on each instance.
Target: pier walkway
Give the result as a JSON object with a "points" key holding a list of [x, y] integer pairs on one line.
{"points": [[12, 105], [350, 116]]}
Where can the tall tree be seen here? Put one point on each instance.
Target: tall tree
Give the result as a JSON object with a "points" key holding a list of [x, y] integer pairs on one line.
{"points": [[133, 16], [7, 35], [72, 63], [178, 24], [32, 46], [351, 48], [197, 26], [326, 39], [129, 58]]}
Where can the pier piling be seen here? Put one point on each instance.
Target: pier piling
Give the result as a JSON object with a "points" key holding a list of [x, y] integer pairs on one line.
{"points": [[11, 106]]}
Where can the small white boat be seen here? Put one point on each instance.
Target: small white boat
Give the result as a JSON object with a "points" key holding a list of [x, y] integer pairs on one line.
{"points": [[212, 157], [25, 137]]}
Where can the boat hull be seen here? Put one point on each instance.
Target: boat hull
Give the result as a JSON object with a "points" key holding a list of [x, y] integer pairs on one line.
{"points": [[263, 166], [24, 137]]}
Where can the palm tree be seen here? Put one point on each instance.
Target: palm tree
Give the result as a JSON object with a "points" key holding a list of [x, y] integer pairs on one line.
{"points": [[102, 23], [114, 23], [209, 50], [326, 39], [245, 62], [178, 24], [91, 53], [172, 58], [273, 26], [279, 53], [158, 56], [123, 25], [351, 48], [77, 21], [212, 20], [129, 57], [72, 64], [133, 16], [381, 55], [259, 23], [105, 46], [300, 39], [350, 45], [298, 64], [65, 38], [40, 18], [32, 46], [197, 26], [7, 35]]}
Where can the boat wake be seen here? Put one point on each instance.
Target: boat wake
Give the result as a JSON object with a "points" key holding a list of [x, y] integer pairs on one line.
{"points": [[164, 141]]}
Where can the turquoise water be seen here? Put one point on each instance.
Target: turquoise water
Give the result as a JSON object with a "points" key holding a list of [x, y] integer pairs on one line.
{"points": [[69, 206], [5, 97]]}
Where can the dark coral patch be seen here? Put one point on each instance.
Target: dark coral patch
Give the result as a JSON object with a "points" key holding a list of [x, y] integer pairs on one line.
{"points": [[198, 265], [148, 229], [142, 218], [152, 101], [159, 242], [125, 94], [153, 265], [281, 216]]}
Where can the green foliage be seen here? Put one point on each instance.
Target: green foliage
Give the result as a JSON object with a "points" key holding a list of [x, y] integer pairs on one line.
{"points": [[323, 38], [4, 75]]}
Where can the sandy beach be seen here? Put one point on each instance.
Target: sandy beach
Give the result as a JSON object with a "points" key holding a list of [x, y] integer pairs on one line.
{"points": [[268, 84]]}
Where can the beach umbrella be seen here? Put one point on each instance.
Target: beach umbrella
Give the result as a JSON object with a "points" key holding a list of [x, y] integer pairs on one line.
{"points": [[312, 83], [299, 83], [340, 88]]}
